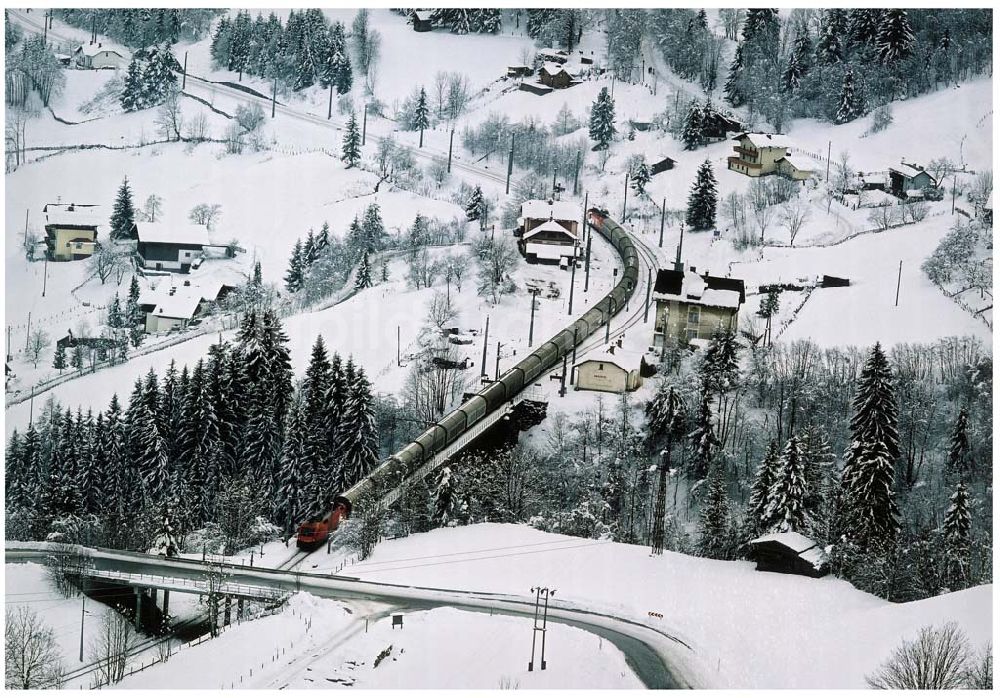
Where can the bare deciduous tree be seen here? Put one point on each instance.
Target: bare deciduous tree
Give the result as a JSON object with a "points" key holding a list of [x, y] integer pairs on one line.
{"points": [[206, 214], [431, 389], [197, 127], [37, 343], [440, 310], [422, 269], [31, 654], [154, 204], [168, 117], [110, 648], [794, 215], [936, 660], [883, 217], [109, 259]]}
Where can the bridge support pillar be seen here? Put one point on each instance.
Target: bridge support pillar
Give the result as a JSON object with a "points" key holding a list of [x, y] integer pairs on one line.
{"points": [[138, 608], [239, 609], [152, 595], [228, 617], [166, 603]]}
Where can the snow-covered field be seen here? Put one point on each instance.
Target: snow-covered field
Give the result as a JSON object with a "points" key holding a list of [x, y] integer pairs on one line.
{"points": [[747, 629]]}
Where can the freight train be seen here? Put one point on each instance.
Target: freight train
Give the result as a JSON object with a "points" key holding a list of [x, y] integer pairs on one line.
{"points": [[402, 464]]}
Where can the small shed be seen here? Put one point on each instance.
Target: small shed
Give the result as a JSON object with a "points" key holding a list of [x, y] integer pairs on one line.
{"points": [[828, 281], [518, 71], [789, 553], [535, 88], [662, 164], [614, 371], [422, 20], [793, 168], [551, 54]]}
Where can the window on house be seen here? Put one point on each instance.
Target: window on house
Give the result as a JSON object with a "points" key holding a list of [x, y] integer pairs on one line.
{"points": [[692, 334], [600, 367], [694, 315]]}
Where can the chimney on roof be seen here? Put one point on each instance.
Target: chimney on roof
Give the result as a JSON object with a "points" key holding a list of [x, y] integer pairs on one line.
{"points": [[678, 264]]}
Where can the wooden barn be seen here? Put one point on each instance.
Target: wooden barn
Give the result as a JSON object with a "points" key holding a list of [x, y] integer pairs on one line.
{"points": [[662, 164], [789, 553], [421, 20], [554, 75], [908, 177]]}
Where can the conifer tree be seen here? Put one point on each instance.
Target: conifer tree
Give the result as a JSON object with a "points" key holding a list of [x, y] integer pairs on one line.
{"points": [[895, 37], [314, 458], [640, 177], [296, 269], [760, 492], [829, 48], [445, 498], [77, 360], [373, 229], [475, 207], [703, 199], [364, 278], [293, 487], [958, 539], [59, 360], [385, 272], [733, 87], [358, 432], [958, 452], [123, 214], [870, 516], [421, 115], [852, 103], [693, 135], [132, 97], [323, 239], [115, 319], [786, 510], [703, 438], [714, 519], [165, 542], [602, 119], [343, 75], [351, 152], [133, 314]]}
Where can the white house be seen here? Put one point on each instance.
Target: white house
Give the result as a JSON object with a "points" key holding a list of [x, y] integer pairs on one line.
{"points": [[172, 304], [96, 55], [614, 371]]}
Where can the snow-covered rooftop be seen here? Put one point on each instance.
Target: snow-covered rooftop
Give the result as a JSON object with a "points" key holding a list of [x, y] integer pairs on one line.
{"points": [[73, 215], [175, 233], [692, 287], [423, 15], [176, 300], [622, 358], [556, 210], [550, 226], [553, 68], [766, 140], [909, 171], [798, 163], [89, 49]]}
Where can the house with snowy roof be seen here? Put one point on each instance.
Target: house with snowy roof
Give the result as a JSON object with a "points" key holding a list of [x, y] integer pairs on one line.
{"points": [[548, 231], [789, 553], [613, 370], [908, 177], [794, 167], [422, 20], [173, 304], [71, 231], [96, 55], [169, 246], [555, 75], [692, 306], [757, 154]]}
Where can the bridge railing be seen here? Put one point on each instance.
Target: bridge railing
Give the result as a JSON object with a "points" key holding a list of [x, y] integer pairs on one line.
{"points": [[200, 586]]}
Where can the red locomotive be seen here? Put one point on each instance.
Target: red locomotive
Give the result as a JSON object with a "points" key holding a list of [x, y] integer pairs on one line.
{"points": [[315, 531]]}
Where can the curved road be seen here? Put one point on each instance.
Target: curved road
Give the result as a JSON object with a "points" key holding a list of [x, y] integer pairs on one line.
{"points": [[657, 657]]}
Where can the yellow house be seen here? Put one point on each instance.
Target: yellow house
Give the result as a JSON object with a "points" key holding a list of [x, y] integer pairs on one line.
{"points": [[692, 306], [757, 154], [70, 231], [612, 371], [794, 169]]}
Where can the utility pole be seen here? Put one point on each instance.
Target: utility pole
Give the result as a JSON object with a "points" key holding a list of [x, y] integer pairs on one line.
{"points": [[486, 341], [562, 380], [510, 163], [574, 354], [829, 148], [572, 281], [663, 220], [954, 189], [329, 106], [83, 614], [586, 275], [625, 200], [45, 28], [184, 75], [26, 211], [899, 279], [531, 326], [27, 331], [576, 174], [364, 126], [607, 325], [496, 377], [649, 288], [553, 183], [398, 361], [540, 593], [451, 142], [274, 97], [45, 276], [9, 354]]}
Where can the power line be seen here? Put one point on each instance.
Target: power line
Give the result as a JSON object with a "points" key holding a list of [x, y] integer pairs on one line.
{"points": [[488, 557], [463, 552]]}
